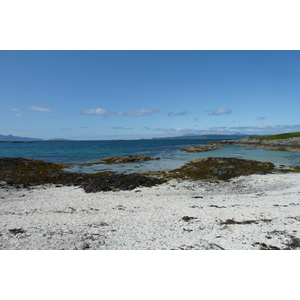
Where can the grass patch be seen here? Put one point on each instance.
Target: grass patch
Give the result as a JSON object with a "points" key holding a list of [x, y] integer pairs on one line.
{"points": [[277, 136]]}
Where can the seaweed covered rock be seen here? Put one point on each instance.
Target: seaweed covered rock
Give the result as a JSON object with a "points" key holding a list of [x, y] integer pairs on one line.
{"points": [[22, 172], [127, 159], [31, 171], [221, 168], [116, 181]]}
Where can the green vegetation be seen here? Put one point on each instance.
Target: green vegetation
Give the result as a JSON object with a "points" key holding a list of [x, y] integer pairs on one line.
{"points": [[277, 136]]}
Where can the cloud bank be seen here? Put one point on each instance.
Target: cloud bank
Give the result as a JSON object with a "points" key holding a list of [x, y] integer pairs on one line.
{"points": [[246, 130], [104, 112]]}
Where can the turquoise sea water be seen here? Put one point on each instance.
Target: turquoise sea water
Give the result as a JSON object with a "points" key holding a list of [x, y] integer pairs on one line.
{"points": [[78, 152]]}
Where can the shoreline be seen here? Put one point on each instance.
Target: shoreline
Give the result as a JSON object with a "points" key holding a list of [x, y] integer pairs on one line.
{"points": [[288, 144], [247, 212]]}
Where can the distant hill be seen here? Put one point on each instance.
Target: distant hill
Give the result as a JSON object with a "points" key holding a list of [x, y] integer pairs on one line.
{"points": [[12, 138]]}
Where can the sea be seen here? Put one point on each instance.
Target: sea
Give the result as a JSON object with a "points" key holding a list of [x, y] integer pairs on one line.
{"points": [[76, 153]]}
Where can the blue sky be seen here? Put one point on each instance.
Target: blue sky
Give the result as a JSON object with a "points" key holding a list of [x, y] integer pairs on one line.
{"points": [[143, 94]]}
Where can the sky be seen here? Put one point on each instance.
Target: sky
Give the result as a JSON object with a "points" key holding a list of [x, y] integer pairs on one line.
{"points": [[100, 95]]}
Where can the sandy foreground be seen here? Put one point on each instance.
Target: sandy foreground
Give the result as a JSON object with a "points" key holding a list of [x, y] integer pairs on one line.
{"points": [[252, 212]]}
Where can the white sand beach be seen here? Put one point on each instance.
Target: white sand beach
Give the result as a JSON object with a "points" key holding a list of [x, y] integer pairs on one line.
{"points": [[251, 212]]}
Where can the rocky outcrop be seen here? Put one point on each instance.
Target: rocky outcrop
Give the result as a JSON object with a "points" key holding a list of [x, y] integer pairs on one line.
{"points": [[290, 144], [195, 149], [127, 159], [221, 168]]}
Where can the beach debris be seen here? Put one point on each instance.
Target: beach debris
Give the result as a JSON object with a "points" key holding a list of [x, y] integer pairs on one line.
{"points": [[264, 246], [16, 231], [187, 218], [120, 207], [233, 222], [293, 244], [246, 222], [216, 206], [219, 246]]}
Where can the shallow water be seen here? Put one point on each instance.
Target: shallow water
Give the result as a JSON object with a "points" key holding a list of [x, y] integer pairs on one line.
{"points": [[78, 152]]}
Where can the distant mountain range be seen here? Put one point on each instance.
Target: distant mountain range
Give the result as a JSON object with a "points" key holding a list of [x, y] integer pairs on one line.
{"points": [[13, 138]]}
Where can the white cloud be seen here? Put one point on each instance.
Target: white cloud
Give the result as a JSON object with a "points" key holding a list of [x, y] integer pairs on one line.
{"points": [[97, 112], [123, 128], [165, 129], [139, 112], [42, 109], [182, 113], [23, 115], [14, 109], [221, 111]]}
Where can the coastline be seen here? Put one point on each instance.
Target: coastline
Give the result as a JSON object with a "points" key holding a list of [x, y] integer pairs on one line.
{"points": [[288, 144], [247, 212]]}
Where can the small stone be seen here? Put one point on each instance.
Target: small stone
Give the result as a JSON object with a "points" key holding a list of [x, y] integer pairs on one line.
{"points": [[85, 246]]}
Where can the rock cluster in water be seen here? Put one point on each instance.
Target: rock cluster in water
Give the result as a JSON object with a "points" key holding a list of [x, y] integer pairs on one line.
{"points": [[127, 159], [195, 149]]}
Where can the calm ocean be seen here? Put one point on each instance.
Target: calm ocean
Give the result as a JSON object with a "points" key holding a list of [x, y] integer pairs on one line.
{"points": [[78, 152]]}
